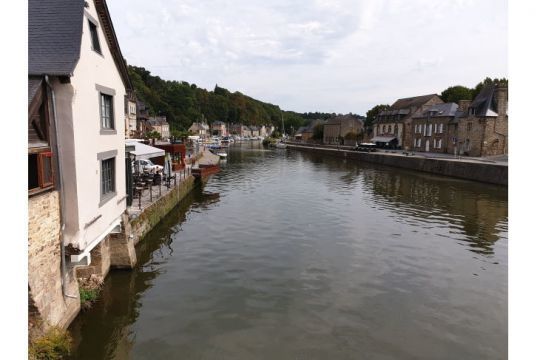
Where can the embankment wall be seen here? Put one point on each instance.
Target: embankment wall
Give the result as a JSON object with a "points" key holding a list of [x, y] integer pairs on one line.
{"points": [[484, 172]]}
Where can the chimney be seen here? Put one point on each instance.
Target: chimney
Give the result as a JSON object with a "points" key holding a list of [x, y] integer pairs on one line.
{"points": [[463, 105], [501, 96]]}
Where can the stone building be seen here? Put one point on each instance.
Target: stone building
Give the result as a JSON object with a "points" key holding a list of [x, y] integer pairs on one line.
{"points": [[143, 114], [49, 280], [342, 130], [432, 128], [393, 126], [254, 130], [240, 130], [305, 133], [160, 124], [483, 129]]}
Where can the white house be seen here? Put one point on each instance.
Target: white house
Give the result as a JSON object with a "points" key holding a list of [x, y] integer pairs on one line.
{"points": [[73, 48]]}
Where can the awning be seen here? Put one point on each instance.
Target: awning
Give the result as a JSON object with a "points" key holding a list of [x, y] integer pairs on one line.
{"points": [[143, 151], [383, 139]]}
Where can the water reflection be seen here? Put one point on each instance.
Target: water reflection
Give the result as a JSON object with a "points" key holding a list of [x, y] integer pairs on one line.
{"points": [[293, 255]]}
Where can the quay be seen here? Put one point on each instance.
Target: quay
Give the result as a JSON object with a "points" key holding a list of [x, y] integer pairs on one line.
{"points": [[464, 168]]}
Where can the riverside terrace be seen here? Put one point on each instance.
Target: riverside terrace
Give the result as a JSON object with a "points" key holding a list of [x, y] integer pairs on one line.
{"points": [[150, 188]]}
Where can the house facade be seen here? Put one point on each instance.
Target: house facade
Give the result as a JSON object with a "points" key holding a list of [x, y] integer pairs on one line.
{"points": [[200, 129], [240, 130], [160, 124], [342, 130], [394, 125], [254, 130], [72, 50], [483, 129], [130, 111], [433, 128], [219, 128]]}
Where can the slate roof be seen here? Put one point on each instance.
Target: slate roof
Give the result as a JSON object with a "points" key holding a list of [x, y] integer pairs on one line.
{"points": [[415, 101], [338, 119], [485, 103], [161, 120], [54, 36], [439, 110]]}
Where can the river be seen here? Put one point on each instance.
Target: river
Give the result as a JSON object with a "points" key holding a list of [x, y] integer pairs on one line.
{"points": [[291, 255]]}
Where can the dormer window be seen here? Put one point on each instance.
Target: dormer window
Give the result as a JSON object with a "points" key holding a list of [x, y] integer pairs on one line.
{"points": [[94, 35]]}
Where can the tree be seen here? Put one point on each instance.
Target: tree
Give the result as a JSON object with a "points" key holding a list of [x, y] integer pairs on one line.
{"points": [[318, 132], [456, 93], [371, 115]]}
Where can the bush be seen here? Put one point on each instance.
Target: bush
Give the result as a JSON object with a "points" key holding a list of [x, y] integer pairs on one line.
{"points": [[54, 344]]}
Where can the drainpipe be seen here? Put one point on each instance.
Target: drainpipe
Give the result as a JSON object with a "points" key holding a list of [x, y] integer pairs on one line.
{"points": [[61, 185]]}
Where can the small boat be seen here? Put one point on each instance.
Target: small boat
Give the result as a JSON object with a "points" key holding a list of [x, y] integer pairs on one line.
{"points": [[281, 145], [221, 154]]}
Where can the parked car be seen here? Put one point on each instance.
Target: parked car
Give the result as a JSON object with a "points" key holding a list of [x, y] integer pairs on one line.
{"points": [[143, 165], [366, 147]]}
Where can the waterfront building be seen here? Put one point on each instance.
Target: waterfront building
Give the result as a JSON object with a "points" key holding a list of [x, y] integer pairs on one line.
{"points": [[483, 128], [254, 130], [431, 128], [343, 130], [219, 128], [201, 129], [143, 114], [131, 115], [305, 133], [240, 130], [74, 59], [393, 127], [159, 124]]}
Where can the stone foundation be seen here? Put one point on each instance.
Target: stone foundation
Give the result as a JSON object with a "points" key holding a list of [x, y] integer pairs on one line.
{"points": [[153, 214], [47, 303]]}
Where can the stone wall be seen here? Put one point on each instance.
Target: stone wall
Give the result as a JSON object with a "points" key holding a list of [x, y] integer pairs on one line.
{"points": [[48, 304], [152, 215], [483, 172], [100, 261]]}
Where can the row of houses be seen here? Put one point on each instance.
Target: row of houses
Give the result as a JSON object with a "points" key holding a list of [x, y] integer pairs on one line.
{"points": [[81, 107], [220, 128], [427, 124]]}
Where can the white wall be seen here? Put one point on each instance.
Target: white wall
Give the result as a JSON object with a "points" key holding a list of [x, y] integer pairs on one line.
{"points": [[81, 135]]}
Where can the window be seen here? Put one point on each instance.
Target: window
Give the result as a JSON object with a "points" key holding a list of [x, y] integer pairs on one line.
{"points": [[95, 39], [107, 178], [389, 128], [441, 128], [107, 117], [469, 126], [384, 128], [40, 170], [429, 130]]}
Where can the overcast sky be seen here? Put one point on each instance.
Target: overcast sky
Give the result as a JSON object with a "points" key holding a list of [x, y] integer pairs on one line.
{"points": [[317, 55]]}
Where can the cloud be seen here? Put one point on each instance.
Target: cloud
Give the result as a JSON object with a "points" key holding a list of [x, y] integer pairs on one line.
{"points": [[309, 55]]}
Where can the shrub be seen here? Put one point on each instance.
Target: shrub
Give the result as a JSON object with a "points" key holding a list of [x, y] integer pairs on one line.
{"points": [[54, 344]]}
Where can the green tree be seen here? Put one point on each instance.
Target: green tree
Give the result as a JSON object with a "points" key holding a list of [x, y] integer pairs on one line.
{"points": [[318, 132], [456, 93]]}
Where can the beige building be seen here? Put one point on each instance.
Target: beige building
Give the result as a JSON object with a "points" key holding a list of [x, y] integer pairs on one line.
{"points": [[219, 128], [201, 129], [343, 130], [131, 115], [159, 124], [393, 127]]}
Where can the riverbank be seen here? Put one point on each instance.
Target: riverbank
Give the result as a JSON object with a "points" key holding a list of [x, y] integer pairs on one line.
{"points": [[493, 173]]}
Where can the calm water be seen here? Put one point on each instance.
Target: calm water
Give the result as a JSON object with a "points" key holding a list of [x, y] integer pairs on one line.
{"points": [[289, 255]]}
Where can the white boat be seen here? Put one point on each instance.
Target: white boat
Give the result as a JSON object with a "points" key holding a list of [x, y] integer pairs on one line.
{"points": [[281, 145], [221, 154]]}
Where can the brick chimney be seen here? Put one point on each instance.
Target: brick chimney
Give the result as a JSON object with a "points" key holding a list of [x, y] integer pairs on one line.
{"points": [[463, 105]]}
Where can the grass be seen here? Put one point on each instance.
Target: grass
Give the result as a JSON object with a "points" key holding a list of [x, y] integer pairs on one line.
{"points": [[54, 344]]}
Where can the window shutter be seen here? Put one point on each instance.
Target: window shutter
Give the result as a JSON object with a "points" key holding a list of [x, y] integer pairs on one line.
{"points": [[45, 174]]}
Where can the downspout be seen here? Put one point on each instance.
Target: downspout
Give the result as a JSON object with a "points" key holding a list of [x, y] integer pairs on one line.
{"points": [[61, 185]]}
